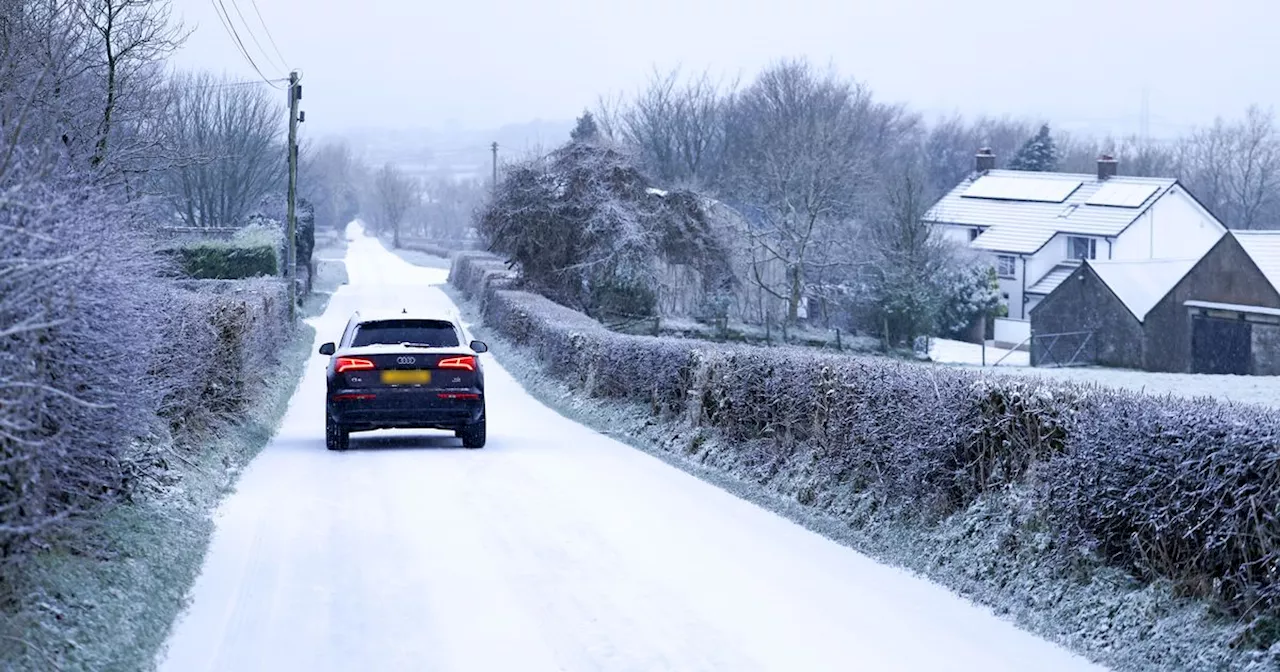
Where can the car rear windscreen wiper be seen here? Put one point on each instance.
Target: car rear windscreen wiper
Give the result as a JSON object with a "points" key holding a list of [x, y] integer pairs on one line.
{"points": [[418, 345]]}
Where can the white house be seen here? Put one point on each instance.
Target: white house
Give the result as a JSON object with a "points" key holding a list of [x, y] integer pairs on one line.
{"points": [[1037, 227]]}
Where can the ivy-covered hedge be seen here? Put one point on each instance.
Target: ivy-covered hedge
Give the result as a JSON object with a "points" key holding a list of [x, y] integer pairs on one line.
{"points": [[254, 251], [1186, 491], [223, 261]]}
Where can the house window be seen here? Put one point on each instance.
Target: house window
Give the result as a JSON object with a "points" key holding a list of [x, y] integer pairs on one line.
{"points": [[1007, 266], [1079, 247]]}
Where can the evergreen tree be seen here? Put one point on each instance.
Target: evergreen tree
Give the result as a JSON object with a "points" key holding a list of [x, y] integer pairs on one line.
{"points": [[1039, 154], [586, 130], [970, 291]]}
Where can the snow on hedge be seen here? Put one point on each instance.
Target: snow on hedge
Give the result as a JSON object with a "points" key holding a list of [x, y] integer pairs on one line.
{"points": [[1163, 489]]}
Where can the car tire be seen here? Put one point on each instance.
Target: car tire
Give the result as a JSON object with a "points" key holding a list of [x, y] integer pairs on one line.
{"points": [[473, 435], [336, 437]]}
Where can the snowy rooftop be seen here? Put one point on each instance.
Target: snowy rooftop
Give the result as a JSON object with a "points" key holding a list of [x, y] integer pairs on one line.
{"points": [[1264, 248], [1053, 278], [1141, 284], [1021, 211]]}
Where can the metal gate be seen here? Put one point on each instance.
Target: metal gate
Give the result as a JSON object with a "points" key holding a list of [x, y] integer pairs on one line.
{"points": [[1068, 348], [1221, 346]]}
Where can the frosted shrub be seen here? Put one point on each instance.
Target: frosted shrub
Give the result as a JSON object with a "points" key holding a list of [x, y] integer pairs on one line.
{"points": [[1186, 490]]}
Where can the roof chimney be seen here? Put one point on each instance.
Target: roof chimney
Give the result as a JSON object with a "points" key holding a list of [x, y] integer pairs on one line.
{"points": [[985, 160], [1106, 167]]}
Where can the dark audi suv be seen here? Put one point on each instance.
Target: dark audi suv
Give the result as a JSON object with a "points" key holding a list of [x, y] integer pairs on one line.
{"points": [[404, 371]]}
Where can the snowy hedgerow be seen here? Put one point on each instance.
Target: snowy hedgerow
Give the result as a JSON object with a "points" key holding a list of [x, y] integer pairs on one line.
{"points": [[1187, 490], [222, 334], [473, 272], [1180, 491]]}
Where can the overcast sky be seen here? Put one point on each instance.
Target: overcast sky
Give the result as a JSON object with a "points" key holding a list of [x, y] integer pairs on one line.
{"points": [[479, 64]]}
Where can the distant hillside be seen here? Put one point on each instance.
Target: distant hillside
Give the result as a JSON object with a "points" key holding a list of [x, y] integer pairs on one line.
{"points": [[461, 154]]}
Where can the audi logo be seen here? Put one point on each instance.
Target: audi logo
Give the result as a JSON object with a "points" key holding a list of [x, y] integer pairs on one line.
{"points": [[406, 360]]}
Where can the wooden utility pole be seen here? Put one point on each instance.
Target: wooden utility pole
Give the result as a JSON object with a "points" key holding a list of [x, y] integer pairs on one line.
{"points": [[291, 261], [495, 166]]}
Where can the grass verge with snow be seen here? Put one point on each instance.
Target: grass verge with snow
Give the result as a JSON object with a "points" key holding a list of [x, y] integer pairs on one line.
{"points": [[331, 273], [427, 257], [113, 610]]}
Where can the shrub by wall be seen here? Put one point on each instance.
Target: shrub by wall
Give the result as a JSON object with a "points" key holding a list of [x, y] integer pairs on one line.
{"points": [[215, 260], [1176, 490], [253, 251]]}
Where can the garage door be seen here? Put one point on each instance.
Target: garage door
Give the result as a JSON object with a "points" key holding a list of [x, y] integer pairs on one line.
{"points": [[1221, 346]]}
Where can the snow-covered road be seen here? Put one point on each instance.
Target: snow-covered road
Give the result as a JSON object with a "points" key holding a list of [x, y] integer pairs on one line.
{"points": [[554, 548]]}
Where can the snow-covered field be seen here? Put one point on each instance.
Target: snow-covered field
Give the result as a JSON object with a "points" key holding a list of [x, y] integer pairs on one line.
{"points": [[554, 548], [1264, 390], [945, 351]]}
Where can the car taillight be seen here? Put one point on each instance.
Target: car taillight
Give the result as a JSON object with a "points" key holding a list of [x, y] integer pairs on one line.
{"points": [[458, 395], [466, 363], [352, 364]]}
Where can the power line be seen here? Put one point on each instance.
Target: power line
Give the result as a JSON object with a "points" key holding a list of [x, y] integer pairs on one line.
{"points": [[229, 26], [247, 82], [225, 18], [253, 36], [270, 39]]}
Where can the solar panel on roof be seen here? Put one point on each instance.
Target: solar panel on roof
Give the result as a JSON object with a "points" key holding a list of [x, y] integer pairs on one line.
{"points": [[1005, 188], [1121, 195]]}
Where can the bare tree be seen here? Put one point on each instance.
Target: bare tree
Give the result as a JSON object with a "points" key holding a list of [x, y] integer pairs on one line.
{"points": [[128, 37], [396, 195], [229, 141], [951, 143], [677, 129], [448, 207], [80, 304], [328, 177], [904, 260], [1234, 169], [1255, 185], [801, 163], [609, 110]]}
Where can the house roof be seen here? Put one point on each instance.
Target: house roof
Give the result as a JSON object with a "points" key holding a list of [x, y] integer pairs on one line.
{"points": [[1264, 248], [1021, 211], [1053, 278], [1141, 284]]}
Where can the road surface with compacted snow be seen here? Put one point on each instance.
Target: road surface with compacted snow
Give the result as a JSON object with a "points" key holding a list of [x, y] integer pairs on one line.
{"points": [[554, 548]]}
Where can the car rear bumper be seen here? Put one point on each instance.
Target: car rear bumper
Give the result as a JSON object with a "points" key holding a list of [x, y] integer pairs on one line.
{"points": [[367, 409]]}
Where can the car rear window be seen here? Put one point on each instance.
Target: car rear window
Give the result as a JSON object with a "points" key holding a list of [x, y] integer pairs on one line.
{"points": [[429, 333]]}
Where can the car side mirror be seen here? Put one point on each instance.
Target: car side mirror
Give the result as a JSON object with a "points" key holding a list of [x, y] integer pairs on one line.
{"points": [[328, 349], [479, 346]]}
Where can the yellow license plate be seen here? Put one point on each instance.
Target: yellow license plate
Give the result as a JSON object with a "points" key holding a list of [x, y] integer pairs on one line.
{"points": [[406, 377]]}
